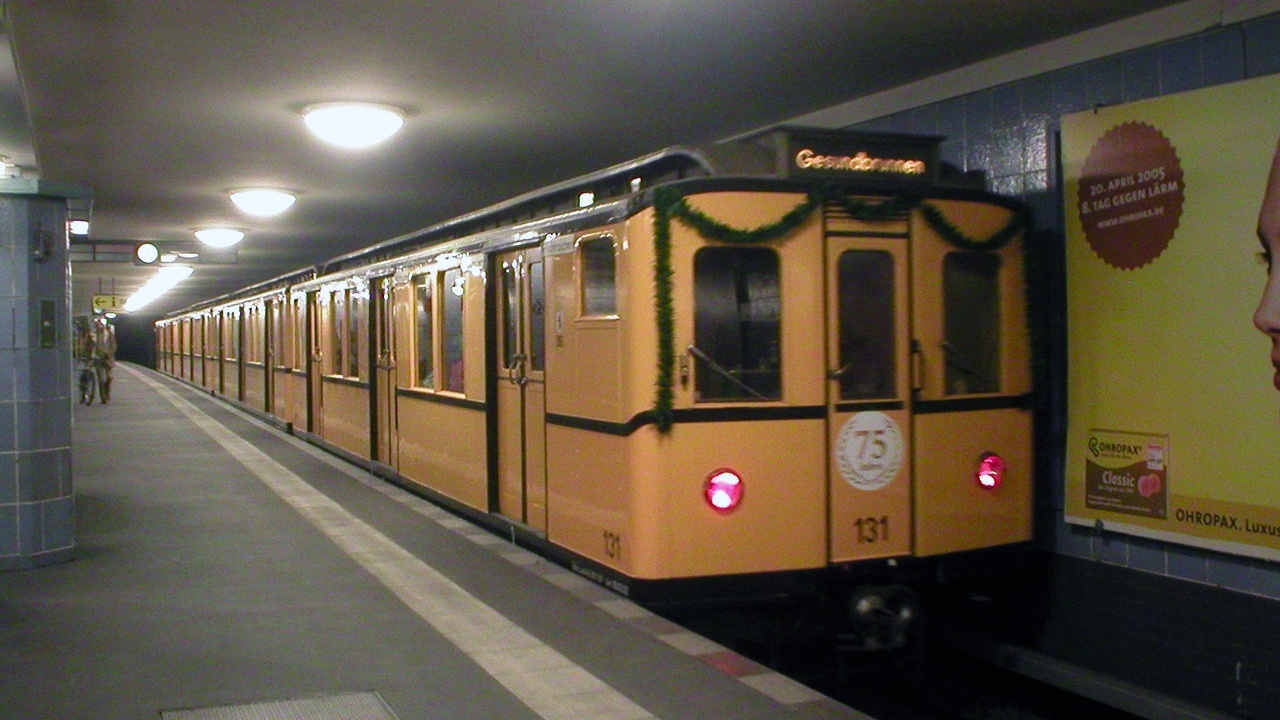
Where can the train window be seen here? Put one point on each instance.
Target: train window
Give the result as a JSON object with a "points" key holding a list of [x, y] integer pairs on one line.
{"points": [[599, 277], [296, 320], [276, 310], [971, 322], [337, 321], [866, 362], [231, 328], [737, 328], [356, 304], [537, 318], [510, 314], [424, 287], [455, 284]]}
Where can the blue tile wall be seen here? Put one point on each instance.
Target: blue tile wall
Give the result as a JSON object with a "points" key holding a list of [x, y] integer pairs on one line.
{"points": [[37, 523], [1008, 132]]}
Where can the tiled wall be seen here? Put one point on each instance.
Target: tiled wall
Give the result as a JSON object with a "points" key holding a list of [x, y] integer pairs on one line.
{"points": [[37, 518], [1009, 132]]}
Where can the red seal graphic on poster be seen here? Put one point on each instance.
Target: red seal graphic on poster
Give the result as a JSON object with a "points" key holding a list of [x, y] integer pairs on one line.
{"points": [[1131, 195]]}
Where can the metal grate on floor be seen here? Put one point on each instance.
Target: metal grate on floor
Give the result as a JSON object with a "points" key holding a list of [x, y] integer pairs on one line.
{"points": [[347, 706]]}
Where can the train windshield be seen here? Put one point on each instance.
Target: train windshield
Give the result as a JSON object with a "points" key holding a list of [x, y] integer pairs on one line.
{"points": [[737, 328]]}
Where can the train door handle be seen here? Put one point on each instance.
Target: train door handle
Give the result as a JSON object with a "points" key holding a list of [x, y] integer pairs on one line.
{"points": [[515, 374]]}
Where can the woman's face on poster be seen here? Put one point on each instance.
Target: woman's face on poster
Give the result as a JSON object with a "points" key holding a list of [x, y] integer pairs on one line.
{"points": [[1267, 316]]}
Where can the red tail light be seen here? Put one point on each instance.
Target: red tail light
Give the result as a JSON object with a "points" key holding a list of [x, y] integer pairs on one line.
{"points": [[723, 490], [990, 471]]}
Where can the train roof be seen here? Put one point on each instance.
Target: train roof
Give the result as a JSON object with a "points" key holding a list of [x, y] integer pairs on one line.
{"points": [[781, 158]]}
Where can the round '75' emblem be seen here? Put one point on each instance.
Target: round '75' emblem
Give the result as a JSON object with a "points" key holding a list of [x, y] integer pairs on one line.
{"points": [[869, 450]]}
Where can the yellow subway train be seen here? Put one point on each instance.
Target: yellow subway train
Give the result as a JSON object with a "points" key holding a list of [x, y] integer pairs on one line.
{"points": [[738, 370]]}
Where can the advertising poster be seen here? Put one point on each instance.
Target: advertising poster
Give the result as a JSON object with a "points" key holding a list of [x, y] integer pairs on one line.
{"points": [[1173, 404]]}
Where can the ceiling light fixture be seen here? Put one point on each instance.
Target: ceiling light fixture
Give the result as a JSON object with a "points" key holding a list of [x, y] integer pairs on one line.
{"points": [[219, 237], [78, 227], [353, 125], [161, 283], [263, 202]]}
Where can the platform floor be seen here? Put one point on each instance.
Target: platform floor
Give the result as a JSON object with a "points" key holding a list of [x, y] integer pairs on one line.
{"points": [[225, 569]]}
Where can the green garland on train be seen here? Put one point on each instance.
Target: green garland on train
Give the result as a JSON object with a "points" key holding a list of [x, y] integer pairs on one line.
{"points": [[669, 204]]}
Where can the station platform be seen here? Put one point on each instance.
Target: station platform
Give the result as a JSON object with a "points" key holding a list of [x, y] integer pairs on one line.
{"points": [[225, 569]]}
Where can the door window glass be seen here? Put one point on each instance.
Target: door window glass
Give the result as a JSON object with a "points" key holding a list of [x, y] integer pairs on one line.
{"points": [[337, 322], [510, 312], [356, 309], [866, 363], [424, 287], [537, 318], [737, 329], [455, 286], [971, 318]]}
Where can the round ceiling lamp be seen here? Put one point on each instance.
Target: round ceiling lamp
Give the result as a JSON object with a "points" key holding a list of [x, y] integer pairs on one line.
{"points": [[262, 202], [353, 125], [219, 237]]}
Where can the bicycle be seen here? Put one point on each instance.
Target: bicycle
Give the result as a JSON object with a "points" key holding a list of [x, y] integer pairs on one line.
{"points": [[88, 382]]}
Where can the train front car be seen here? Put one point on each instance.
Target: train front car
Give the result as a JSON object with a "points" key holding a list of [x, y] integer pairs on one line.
{"points": [[734, 372], [783, 377]]}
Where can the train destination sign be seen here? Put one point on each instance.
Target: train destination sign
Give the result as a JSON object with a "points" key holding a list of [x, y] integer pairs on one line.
{"points": [[874, 157]]}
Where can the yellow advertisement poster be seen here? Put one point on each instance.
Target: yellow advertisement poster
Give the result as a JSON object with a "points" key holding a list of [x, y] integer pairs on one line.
{"points": [[1173, 394]]}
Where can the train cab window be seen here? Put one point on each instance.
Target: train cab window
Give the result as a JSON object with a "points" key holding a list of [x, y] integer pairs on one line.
{"points": [[599, 277], [424, 312], [452, 339], [357, 302], [866, 320], [971, 322], [737, 324]]}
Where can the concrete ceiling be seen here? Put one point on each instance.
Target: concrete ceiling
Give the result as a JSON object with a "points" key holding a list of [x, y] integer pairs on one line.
{"points": [[162, 106]]}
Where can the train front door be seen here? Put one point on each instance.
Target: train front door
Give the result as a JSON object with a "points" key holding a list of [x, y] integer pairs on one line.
{"points": [[384, 375], [868, 396], [521, 397]]}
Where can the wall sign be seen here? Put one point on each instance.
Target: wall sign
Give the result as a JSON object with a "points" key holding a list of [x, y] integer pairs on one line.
{"points": [[1173, 416]]}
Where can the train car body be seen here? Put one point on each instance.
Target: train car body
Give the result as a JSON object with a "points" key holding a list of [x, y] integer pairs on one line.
{"points": [[674, 380]]}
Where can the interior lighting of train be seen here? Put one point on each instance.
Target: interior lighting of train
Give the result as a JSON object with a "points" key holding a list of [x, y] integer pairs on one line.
{"points": [[353, 125], [162, 282], [78, 227], [263, 202], [219, 237]]}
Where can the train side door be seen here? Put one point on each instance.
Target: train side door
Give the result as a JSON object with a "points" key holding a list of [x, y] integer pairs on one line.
{"points": [[384, 373], [270, 328], [315, 364], [868, 397], [521, 396]]}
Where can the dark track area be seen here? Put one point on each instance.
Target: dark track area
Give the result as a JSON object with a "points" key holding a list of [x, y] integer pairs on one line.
{"points": [[937, 683]]}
